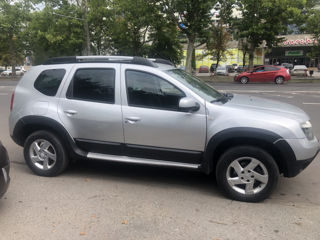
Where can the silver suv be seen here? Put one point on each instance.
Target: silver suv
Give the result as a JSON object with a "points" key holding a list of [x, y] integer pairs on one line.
{"points": [[146, 111]]}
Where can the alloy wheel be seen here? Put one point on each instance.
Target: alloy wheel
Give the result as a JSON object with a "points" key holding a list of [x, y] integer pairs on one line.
{"points": [[247, 175], [42, 154]]}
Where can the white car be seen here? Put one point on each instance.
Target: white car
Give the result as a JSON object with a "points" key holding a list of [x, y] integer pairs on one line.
{"points": [[299, 70], [19, 72], [222, 70]]}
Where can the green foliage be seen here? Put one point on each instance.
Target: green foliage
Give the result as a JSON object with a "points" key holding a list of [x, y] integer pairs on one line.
{"points": [[51, 34], [13, 16], [264, 20], [217, 42]]}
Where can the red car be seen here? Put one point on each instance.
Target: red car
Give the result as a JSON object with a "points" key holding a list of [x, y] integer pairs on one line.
{"points": [[276, 74], [203, 69]]}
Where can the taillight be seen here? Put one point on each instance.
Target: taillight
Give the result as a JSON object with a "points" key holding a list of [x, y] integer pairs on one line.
{"points": [[12, 99]]}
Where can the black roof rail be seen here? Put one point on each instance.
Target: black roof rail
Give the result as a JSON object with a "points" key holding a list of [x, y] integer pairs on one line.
{"points": [[100, 59], [162, 61]]}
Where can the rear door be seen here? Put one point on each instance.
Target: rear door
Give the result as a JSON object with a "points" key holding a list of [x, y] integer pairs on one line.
{"points": [[90, 108], [271, 73]]}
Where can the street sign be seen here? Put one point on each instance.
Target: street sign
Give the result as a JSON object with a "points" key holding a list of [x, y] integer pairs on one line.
{"points": [[294, 53]]}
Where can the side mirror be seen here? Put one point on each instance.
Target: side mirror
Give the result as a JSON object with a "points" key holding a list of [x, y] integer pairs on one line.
{"points": [[188, 105]]}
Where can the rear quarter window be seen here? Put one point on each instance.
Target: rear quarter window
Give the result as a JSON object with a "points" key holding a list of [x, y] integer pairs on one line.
{"points": [[48, 81]]}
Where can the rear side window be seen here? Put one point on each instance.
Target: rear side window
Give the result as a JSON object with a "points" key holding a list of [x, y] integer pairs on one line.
{"points": [[48, 81], [94, 84], [272, 69]]}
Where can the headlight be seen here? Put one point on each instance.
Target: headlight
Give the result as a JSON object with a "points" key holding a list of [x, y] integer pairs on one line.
{"points": [[307, 129]]}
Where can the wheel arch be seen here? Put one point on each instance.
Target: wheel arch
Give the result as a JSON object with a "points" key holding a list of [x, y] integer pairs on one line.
{"points": [[267, 140], [30, 124]]}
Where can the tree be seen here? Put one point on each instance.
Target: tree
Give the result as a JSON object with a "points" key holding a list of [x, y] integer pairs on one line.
{"points": [[56, 30], [262, 21], [219, 33], [312, 26], [193, 17], [217, 43], [13, 16]]}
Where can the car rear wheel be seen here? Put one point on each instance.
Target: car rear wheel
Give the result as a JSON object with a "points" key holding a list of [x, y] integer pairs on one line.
{"points": [[279, 80], [45, 154], [244, 80], [247, 173]]}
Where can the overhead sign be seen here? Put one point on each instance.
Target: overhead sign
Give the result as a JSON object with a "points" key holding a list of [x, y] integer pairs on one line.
{"points": [[294, 53], [302, 41]]}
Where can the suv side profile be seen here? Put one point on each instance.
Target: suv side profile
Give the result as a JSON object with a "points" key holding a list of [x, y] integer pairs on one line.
{"points": [[147, 111]]}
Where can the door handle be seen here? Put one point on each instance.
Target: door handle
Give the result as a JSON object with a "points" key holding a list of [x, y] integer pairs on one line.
{"points": [[70, 112], [132, 120]]}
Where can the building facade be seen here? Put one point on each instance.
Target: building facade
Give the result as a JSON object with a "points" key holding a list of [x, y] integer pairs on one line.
{"points": [[295, 49]]}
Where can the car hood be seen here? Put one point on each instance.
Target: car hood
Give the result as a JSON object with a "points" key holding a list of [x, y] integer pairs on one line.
{"points": [[267, 106]]}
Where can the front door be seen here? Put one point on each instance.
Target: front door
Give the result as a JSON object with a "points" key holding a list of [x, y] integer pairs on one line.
{"points": [[90, 108], [154, 126]]}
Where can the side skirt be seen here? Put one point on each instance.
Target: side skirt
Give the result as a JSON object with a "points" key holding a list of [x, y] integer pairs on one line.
{"points": [[143, 161]]}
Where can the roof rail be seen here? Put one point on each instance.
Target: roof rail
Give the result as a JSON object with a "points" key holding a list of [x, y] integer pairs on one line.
{"points": [[100, 59], [162, 61]]}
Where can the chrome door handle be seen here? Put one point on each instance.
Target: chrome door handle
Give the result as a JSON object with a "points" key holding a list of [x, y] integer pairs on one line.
{"points": [[132, 120], [70, 112]]}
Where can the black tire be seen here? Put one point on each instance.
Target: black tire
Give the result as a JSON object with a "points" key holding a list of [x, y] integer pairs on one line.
{"points": [[56, 149], [244, 80], [279, 80], [247, 153]]}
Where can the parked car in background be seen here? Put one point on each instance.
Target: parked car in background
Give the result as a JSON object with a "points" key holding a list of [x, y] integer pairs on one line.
{"points": [[274, 74], [287, 65], [230, 68], [4, 170], [301, 70], [8, 72], [204, 69], [222, 70]]}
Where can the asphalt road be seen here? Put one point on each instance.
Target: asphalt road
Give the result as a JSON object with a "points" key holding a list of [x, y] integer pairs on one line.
{"points": [[97, 200]]}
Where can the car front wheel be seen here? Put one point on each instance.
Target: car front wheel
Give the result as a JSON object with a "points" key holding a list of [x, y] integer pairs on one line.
{"points": [[244, 80], [247, 173], [45, 154]]}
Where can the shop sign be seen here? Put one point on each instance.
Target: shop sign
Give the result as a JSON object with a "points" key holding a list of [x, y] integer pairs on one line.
{"points": [[303, 41], [294, 53]]}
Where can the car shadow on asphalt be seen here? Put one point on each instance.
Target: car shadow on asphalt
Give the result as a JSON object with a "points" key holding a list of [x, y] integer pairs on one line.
{"points": [[146, 175]]}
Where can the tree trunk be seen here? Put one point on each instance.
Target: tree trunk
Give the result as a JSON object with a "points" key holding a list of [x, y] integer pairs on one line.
{"points": [[12, 56], [251, 56], [86, 29], [244, 58], [218, 57], [189, 54]]}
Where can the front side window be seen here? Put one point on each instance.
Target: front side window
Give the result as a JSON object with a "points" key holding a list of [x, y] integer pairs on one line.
{"points": [[195, 84], [48, 81], [95, 85], [260, 69], [147, 90]]}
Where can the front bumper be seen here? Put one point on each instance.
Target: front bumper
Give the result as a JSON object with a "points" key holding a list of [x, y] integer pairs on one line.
{"points": [[290, 164]]}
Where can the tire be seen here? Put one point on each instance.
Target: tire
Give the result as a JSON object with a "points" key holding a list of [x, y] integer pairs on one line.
{"points": [[244, 80], [247, 174], [279, 80], [44, 154]]}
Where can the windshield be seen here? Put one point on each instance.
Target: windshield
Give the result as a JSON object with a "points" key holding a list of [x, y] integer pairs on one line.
{"points": [[205, 91], [221, 68]]}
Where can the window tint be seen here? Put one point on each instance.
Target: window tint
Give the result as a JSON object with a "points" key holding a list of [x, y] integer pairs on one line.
{"points": [[148, 90], [48, 81], [272, 69], [93, 85], [260, 69]]}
